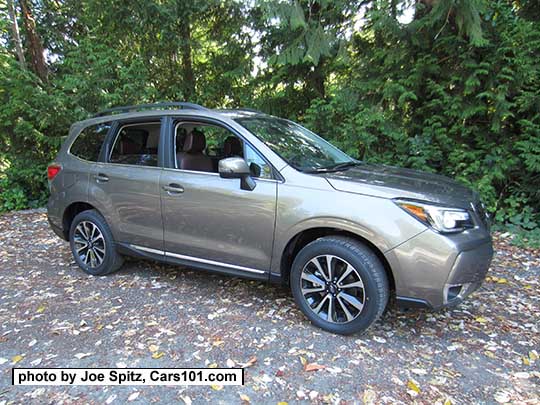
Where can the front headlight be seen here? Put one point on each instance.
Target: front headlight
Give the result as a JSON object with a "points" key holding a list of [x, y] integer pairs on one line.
{"points": [[442, 219]]}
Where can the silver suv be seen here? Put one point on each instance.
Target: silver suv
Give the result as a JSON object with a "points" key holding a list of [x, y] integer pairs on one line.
{"points": [[251, 195]]}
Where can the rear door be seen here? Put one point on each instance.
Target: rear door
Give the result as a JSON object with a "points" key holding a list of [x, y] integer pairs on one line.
{"points": [[125, 182]]}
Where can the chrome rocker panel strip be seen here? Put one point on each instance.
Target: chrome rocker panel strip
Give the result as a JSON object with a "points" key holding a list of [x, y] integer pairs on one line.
{"points": [[196, 259]]}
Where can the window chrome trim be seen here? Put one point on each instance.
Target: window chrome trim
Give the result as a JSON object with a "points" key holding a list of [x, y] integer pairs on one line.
{"points": [[191, 171], [257, 179], [197, 259], [129, 166]]}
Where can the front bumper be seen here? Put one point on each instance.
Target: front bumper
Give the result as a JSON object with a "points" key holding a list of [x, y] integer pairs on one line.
{"points": [[433, 270]]}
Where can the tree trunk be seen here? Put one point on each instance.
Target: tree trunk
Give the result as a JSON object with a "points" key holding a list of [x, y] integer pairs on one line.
{"points": [[393, 9], [16, 34], [187, 63], [34, 42], [315, 78]]}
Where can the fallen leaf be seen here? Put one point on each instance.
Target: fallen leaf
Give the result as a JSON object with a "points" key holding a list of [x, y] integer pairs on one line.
{"points": [[244, 398], [153, 348], [369, 397], [158, 355], [502, 397], [489, 354], [16, 359], [187, 400], [41, 309], [481, 319], [313, 367], [110, 399], [249, 363], [216, 387], [412, 385], [533, 355]]}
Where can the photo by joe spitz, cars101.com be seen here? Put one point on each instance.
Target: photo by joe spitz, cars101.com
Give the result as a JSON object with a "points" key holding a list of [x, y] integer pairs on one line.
{"points": [[251, 195]]}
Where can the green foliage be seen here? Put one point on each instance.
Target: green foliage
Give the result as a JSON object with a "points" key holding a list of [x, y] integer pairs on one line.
{"points": [[428, 99], [454, 91]]}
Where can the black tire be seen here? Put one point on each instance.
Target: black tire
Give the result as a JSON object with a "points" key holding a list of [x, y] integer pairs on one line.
{"points": [[367, 266], [112, 260]]}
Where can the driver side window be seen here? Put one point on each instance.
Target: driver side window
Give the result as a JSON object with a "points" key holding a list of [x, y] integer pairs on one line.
{"points": [[200, 147]]}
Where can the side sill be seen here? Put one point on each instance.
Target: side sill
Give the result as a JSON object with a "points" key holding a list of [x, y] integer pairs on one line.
{"points": [[216, 269], [275, 279], [407, 302], [153, 254]]}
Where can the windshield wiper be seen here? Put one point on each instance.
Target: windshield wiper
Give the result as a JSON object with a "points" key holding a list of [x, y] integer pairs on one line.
{"points": [[334, 168]]}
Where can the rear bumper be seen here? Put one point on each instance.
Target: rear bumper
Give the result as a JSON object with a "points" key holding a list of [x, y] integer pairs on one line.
{"points": [[54, 218], [433, 270], [56, 229]]}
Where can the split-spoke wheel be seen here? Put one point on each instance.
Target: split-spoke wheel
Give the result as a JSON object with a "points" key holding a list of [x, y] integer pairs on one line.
{"points": [[340, 284], [92, 244]]}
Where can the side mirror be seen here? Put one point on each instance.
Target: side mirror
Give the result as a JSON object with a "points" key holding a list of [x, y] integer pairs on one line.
{"points": [[236, 168]]}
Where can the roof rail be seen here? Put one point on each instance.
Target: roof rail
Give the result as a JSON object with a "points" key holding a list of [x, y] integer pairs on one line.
{"points": [[157, 106], [249, 110]]}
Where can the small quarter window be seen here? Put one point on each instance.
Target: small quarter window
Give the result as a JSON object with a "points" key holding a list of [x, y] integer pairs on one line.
{"points": [[258, 166], [88, 144], [136, 144]]}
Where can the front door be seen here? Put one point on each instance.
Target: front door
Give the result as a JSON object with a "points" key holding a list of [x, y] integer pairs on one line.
{"points": [[209, 219]]}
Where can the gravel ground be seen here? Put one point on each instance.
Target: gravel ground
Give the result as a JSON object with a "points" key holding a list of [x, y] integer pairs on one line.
{"points": [[155, 315]]}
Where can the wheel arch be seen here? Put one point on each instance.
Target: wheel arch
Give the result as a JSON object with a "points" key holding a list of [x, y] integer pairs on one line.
{"points": [[302, 238], [71, 212]]}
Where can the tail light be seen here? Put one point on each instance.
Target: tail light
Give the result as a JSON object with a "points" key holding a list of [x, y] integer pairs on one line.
{"points": [[52, 171]]}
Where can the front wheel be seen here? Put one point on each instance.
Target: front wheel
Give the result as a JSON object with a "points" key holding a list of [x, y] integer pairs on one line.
{"points": [[92, 244], [339, 284]]}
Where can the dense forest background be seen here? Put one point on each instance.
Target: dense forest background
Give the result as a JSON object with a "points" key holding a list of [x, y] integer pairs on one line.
{"points": [[449, 86]]}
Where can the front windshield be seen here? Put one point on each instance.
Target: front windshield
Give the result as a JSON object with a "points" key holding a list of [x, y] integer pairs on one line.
{"points": [[301, 148]]}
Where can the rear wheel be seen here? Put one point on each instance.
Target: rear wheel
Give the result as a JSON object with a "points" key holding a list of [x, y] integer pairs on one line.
{"points": [[339, 284], [92, 244]]}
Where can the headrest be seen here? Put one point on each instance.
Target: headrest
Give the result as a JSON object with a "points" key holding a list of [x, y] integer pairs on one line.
{"points": [[232, 146], [195, 142], [129, 147]]}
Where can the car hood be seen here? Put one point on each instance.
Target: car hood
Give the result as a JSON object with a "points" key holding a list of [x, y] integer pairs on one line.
{"points": [[395, 182]]}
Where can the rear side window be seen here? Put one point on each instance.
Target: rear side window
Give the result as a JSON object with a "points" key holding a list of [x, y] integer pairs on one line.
{"points": [[136, 144], [88, 144]]}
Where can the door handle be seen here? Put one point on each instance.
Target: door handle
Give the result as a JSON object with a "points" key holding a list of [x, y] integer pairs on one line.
{"points": [[173, 188], [101, 178]]}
